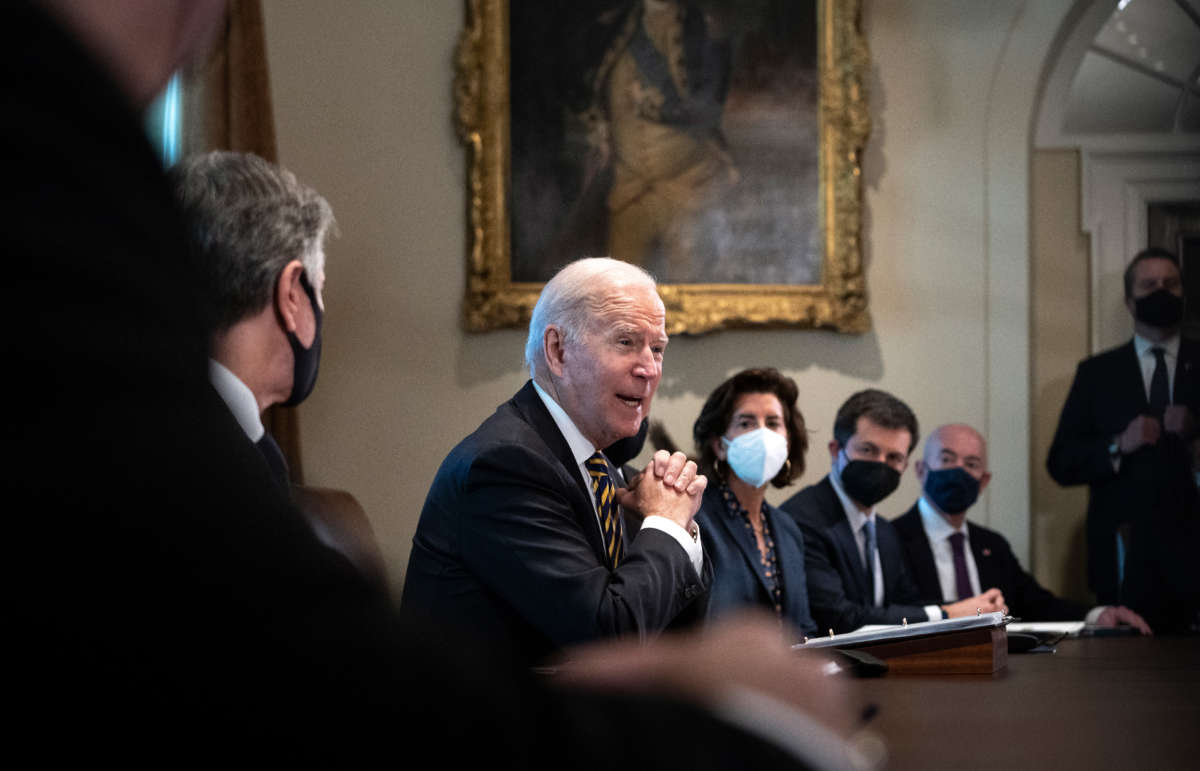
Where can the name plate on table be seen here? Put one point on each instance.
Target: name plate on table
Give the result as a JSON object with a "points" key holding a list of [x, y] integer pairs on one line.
{"points": [[975, 645]]}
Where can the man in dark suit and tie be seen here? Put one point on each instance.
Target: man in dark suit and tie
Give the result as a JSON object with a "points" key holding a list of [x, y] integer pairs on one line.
{"points": [[951, 558], [854, 560], [1128, 425], [520, 541]]}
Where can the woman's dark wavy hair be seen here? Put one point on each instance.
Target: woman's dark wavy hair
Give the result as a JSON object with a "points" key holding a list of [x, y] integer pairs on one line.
{"points": [[718, 411]]}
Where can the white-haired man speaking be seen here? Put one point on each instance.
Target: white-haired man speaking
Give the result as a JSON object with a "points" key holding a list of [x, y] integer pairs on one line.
{"points": [[521, 540]]}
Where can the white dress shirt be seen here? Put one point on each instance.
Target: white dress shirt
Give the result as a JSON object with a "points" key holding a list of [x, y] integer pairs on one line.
{"points": [[1147, 361], [582, 449], [238, 398], [858, 520], [938, 530]]}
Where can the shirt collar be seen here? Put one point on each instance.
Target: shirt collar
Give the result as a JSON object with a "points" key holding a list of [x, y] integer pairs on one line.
{"points": [[581, 448], [855, 517], [936, 526], [238, 398], [1170, 346]]}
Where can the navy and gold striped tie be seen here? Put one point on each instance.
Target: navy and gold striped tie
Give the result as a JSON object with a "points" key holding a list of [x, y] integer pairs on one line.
{"points": [[606, 505]]}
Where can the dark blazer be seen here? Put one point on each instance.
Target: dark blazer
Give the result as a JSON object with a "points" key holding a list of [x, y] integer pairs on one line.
{"points": [[837, 586], [997, 566], [1107, 393], [508, 549], [734, 555]]}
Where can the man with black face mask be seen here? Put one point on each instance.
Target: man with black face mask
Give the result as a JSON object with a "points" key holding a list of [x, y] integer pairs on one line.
{"points": [[854, 561], [951, 558], [259, 237], [1127, 428]]}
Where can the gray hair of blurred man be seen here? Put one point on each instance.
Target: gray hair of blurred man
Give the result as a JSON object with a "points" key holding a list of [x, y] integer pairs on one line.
{"points": [[248, 219], [572, 300]]}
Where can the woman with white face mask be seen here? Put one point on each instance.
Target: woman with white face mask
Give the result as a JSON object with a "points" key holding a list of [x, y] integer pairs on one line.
{"points": [[751, 434]]}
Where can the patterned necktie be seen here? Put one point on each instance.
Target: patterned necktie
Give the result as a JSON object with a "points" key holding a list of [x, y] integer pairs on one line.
{"points": [[869, 528], [606, 504], [1159, 393], [962, 581]]}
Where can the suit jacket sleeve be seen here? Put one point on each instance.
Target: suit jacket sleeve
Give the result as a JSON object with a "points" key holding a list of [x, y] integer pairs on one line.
{"points": [[522, 537], [1024, 595], [1079, 452]]}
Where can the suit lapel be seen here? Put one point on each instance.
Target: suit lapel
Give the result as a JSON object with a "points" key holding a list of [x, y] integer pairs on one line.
{"points": [[1187, 369], [889, 554], [921, 557], [531, 408], [786, 558], [1131, 383], [984, 561], [741, 536], [843, 536]]}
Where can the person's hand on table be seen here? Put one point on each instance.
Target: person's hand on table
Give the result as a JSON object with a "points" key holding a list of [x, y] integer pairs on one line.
{"points": [[1115, 615], [991, 601]]}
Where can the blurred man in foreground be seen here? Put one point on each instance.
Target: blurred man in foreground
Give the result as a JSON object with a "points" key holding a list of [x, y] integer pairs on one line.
{"points": [[180, 606]]}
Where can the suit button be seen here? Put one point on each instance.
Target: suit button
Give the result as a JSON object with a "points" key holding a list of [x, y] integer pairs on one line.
{"points": [[690, 592]]}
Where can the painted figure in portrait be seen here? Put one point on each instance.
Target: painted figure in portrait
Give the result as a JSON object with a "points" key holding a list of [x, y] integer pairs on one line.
{"points": [[681, 135]]}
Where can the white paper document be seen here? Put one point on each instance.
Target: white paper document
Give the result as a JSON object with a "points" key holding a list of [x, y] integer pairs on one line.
{"points": [[1071, 628], [873, 634]]}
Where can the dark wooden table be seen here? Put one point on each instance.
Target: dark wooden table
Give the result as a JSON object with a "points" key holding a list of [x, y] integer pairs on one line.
{"points": [[1112, 702]]}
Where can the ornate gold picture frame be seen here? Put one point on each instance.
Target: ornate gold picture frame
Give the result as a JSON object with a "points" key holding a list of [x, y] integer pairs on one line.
{"points": [[826, 215]]}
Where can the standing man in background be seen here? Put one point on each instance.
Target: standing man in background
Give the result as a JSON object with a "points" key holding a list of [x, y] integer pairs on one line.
{"points": [[1128, 425]]}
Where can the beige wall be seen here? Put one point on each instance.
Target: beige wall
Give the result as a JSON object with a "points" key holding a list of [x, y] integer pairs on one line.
{"points": [[363, 109], [1060, 259]]}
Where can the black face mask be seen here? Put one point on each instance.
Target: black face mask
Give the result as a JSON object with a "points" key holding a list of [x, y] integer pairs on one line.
{"points": [[1159, 309], [305, 360], [952, 490], [624, 450], [868, 482]]}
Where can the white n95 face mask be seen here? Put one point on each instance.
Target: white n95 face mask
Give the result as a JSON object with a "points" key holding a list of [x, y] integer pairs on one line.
{"points": [[756, 456]]}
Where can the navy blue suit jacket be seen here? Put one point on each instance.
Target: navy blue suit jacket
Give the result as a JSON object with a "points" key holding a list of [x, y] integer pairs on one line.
{"points": [[837, 586], [508, 549], [734, 555], [1107, 393], [998, 567]]}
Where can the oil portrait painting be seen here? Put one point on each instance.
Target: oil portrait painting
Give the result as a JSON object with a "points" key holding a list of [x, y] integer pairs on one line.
{"points": [[713, 142]]}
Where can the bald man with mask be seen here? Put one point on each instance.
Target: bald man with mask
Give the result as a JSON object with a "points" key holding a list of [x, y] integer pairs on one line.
{"points": [[951, 558]]}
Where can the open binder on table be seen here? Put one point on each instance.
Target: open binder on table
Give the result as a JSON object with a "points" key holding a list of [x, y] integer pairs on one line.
{"points": [[969, 645]]}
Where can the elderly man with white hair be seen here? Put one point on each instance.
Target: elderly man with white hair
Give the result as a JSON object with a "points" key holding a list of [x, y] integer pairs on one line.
{"points": [[521, 540]]}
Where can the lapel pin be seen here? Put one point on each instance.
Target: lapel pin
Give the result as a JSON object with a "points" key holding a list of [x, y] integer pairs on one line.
{"points": [[987, 552]]}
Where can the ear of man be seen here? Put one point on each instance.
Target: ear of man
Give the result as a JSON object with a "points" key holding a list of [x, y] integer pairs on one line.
{"points": [[290, 296], [554, 350]]}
